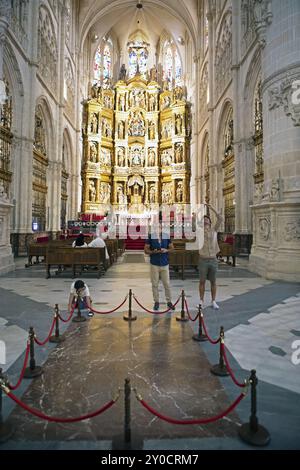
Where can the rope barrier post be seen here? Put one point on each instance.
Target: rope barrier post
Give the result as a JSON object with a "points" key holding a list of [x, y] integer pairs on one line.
{"points": [[220, 369], [253, 433], [6, 429], [200, 336], [56, 338], [130, 317], [33, 370], [127, 440], [182, 313], [79, 318]]}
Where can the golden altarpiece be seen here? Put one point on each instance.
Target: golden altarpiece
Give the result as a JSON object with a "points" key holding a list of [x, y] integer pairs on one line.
{"points": [[136, 144]]}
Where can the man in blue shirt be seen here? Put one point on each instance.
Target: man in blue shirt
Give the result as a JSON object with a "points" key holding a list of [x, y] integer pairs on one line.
{"points": [[158, 247]]}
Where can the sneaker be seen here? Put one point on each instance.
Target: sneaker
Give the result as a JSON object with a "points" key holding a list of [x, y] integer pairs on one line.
{"points": [[156, 306], [215, 305], [171, 306], [90, 314]]}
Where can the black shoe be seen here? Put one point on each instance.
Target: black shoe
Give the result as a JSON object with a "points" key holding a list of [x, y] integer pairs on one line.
{"points": [[171, 306], [90, 314], [156, 306]]}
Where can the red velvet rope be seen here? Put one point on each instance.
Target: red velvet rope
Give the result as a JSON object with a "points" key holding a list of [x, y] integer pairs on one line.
{"points": [[193, 421], [212, 341], [154, 312], [239, 384], [54, 419], [187, 310], [69, 317], [42, 343], [14, 387], [110, 311]]}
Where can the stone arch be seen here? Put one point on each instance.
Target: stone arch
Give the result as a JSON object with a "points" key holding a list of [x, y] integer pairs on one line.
{"points": [[14, 76], [43, 104]]}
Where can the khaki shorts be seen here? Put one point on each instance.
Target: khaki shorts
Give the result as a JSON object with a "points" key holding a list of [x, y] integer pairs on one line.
{"points": [[208, 269]]}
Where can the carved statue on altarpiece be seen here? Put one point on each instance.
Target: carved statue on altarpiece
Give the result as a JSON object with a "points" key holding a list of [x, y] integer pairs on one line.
{"points": [[178, 153], [122, 74], [152, 194], [179, 192], [92, 191], [93, 152], [136, 124], [121, 156], [104, 193], [151, 157], [94, 123]]}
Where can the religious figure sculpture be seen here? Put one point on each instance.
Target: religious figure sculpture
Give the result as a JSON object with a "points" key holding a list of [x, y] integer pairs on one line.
{"points": [[178, 124], [121, 130], [152, 194], [121, 156], [136, 124], [152, 102], [151, 157], [178, 93], [94, 123], [153, 74], [121, 197], [151, 129], [122, 74], [92, 191], [93, 152], [179, 192], [179, 154], [122, 103]]}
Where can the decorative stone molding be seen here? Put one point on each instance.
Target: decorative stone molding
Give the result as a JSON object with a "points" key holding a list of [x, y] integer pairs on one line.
{"points": [[283, 95], [264, 228], [262, 19], [291, 231]]}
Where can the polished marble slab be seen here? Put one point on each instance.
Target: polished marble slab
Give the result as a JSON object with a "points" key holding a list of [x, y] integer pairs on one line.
{"points": [[166, 366]]}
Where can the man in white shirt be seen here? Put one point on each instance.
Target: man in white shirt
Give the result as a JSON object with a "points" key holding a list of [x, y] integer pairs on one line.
{"points": [[208, 263], [98, 242]]}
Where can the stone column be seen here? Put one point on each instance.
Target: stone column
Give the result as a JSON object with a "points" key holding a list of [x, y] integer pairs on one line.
{"points": [[6, 257], [276, 219]]}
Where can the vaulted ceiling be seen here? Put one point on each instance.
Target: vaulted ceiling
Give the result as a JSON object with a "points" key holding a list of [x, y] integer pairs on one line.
{"points": [[98, 17]]}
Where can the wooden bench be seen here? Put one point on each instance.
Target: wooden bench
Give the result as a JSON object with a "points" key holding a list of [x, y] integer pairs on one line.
{"points": [[63, 257], [227, 250]]}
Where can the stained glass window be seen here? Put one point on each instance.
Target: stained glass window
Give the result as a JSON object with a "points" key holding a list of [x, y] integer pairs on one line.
{"points": [[138, 54], [178, 69], [106, 62], [103, 60], [206, 33], [132, 62], [97, 65], [168, 68]]}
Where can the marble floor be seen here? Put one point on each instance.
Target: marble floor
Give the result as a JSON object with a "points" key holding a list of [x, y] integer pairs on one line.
{"points": [[262, 326]]}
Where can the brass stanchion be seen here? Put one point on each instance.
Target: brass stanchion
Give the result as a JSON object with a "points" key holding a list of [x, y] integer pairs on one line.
{"points": [[129, 317], [56, 338], [6, 429], [33, 370], [127, 441], [182, 313], [220, 368], [79, 318], [200, 336], [253, 433]]}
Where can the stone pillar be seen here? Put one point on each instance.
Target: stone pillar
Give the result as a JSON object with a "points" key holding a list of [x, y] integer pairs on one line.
{"points": [[6, 257], [276, 219]]}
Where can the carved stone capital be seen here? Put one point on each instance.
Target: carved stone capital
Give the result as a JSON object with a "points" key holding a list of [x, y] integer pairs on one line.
{"points": [[286, 94], [263, 18]]}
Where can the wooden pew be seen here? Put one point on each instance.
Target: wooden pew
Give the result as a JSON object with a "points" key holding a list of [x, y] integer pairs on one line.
{"points": [[63, 257]]}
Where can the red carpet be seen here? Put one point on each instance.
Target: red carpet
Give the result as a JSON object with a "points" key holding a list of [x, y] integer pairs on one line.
{"points": [[139, 243]]}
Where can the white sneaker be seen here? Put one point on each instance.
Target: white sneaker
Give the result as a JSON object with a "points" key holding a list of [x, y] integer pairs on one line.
{"points": [[215, 305]]}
